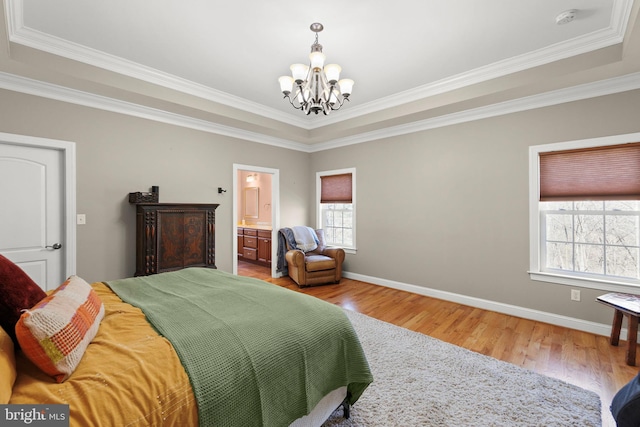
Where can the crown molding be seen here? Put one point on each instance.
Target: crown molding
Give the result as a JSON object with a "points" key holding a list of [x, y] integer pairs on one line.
{"points": [[59, 93], [574, 93], [585, 91], [20, 34]]}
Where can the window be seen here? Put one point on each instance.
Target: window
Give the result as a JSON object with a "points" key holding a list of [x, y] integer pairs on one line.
{"points": [[593, 238], [337, 207], [585, 213]]}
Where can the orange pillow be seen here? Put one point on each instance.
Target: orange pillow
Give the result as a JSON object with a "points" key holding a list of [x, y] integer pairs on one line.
{"points": [[55, 333], [8, 371]]}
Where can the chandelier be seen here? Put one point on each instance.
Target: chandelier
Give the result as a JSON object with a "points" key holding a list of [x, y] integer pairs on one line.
{"points": [[317, 87]]}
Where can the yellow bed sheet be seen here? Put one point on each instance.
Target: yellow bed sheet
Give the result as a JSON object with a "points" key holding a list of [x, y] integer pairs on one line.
{"points": [[129, 376]]}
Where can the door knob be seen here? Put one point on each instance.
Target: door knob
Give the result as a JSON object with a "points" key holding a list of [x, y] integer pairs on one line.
{"points": [[54, 246]]}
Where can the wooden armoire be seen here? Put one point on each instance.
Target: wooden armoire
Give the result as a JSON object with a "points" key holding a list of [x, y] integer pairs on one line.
{"points": [[172, 236]]}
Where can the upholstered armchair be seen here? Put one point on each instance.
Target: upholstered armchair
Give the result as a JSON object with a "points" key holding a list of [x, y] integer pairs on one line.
{"points": [[322, 265]]}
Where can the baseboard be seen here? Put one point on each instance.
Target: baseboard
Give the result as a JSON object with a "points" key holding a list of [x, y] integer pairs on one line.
{"points": [[512, 310]]}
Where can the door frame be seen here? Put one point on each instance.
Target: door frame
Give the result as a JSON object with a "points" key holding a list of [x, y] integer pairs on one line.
{"points": [[275, 213], [68, 150]]}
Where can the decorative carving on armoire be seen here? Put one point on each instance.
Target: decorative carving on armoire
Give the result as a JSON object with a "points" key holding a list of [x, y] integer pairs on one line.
{"points": [[172, 236], [211, 247], [150, 235]]}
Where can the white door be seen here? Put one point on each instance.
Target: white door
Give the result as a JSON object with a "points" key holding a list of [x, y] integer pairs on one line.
{"points": [[32, 219]]}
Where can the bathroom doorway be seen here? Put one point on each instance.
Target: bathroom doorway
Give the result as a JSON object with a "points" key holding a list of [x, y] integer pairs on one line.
{"points": [[256, 217]]}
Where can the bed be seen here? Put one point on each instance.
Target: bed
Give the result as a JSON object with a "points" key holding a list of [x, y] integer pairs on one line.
{"points": [[201, 347]]}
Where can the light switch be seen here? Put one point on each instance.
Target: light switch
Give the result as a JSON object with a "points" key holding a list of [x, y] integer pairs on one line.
{"points": [[81, 219]]}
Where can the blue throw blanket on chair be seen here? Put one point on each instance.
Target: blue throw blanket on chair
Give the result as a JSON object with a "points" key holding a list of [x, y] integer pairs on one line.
{"points": [[285, 236]]}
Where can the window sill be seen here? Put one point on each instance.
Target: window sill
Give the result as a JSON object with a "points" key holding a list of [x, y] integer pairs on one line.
{"points": [[346, 250], [583, 282]]}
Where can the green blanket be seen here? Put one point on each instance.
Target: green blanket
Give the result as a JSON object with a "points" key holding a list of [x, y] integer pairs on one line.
{"points": [[257, 354]]}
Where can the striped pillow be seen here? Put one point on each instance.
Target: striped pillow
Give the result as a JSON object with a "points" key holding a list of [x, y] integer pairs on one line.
{"points": [[55, 333]]}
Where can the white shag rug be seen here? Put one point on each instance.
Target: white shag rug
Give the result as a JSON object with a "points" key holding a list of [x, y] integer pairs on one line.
{"points": [[422, 381]]}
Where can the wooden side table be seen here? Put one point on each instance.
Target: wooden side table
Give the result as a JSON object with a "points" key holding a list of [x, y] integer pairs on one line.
{"points": [[624, 305]]}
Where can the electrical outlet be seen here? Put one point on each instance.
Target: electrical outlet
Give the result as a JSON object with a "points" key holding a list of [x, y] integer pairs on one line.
{"points": [[81, 219], [575, 295]]}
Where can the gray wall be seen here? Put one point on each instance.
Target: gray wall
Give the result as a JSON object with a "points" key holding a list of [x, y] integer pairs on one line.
{"points": [[445, 209], [117, 154], [448, 208]]}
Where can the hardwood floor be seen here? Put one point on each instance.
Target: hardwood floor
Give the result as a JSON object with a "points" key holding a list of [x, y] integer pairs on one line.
{"points": [[579, 358]]}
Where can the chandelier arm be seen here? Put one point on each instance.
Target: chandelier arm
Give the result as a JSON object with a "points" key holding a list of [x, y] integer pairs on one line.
{"points": [[293, 104], [297, 107], [340, 101], [303, 88], [303, 99], [305, 92], [338, 97]]}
